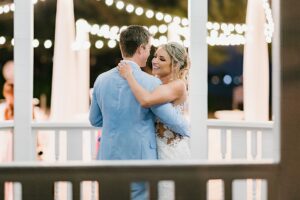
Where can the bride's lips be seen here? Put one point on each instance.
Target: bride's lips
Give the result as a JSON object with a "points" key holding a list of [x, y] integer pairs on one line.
{"points": [[155, 67]]}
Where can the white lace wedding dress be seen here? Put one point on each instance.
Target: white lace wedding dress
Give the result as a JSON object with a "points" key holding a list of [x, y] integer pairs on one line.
{"points": [[171, 146]]}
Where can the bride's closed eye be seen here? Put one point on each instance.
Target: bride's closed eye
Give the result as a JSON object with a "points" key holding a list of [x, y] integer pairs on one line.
{"points": [[162, 58]]}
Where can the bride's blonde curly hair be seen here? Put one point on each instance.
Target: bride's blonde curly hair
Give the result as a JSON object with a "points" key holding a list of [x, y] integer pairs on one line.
{"points": [[179, 59]]}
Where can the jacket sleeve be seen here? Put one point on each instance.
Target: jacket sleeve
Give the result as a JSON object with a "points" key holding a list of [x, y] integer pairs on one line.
{"points": [[170, 117], [95, 115]]}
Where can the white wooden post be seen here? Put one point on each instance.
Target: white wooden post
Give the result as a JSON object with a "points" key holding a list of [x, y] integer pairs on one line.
{"points": [[198, 78], [276, 79], [23, 72]]}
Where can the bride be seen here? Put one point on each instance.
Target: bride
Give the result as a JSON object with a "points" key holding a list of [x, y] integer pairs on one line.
{"points": [[170, 65]]}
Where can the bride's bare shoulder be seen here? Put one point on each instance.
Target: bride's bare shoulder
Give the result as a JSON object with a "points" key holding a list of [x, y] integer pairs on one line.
{"points": [[177, 85]]}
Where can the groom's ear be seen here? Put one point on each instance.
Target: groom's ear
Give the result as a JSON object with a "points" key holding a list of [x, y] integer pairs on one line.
{"points": [[139, 49]]}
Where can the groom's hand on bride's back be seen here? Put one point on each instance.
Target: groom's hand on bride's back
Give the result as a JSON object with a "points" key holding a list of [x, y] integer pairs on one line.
{"points": [[124, 69]]}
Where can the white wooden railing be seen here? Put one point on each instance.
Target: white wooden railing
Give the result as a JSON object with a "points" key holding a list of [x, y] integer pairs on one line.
{"points": [[114, 177], [239, 140], [6, 125], [232, 139], [228, 142], [69, 141]]}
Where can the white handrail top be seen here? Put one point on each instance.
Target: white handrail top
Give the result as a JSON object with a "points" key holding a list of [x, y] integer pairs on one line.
{"points": [[67, 125], [240, 123], [137, 163], [83, 125], [7, 124]]}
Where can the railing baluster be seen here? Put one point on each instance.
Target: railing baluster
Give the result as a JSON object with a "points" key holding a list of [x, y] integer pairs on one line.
{"points": [[35, 142], [37, 190], [94, 142], [113, 189], [253, 144], [229, 144], [74, 144], [223, 143], [57, 149], [273, 193], [228, 189], [1, 190], [86, 151], [239, 144], [259, 144], [192, 189], [153, 190], [76, 192], [267, 141]]}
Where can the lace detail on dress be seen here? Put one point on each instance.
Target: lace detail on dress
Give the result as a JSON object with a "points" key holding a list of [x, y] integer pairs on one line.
{"points": [[167, 136], [171, 146]]}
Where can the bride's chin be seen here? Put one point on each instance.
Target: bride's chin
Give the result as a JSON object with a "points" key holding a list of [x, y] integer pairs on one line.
{"points": [[154, 72]]}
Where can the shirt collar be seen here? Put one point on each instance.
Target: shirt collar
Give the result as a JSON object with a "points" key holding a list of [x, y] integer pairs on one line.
{"points": [[133, 64]]}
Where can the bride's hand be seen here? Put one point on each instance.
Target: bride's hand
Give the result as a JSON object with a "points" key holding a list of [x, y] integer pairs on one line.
{"points": [[124, 69]]}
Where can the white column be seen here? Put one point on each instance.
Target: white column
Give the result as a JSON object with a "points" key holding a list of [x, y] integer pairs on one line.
{"points": [[256, 64], [198, 78], [276, 79], [23, 90]]}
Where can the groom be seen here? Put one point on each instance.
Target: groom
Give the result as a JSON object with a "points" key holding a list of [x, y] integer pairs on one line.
{"points": [[128, 131]]}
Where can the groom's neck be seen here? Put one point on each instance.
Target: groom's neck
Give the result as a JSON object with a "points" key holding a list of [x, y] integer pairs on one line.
{"points": [[133, 59]]}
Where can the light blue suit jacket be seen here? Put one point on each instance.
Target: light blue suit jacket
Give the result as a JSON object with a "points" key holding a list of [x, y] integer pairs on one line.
{"points": [[128, 131]]}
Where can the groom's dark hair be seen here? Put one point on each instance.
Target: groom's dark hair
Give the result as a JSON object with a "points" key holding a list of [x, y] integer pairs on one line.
{"points": [[131, 38]]}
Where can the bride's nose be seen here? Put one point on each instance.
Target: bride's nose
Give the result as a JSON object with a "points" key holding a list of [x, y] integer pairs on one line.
{"points": [[154, 61]]}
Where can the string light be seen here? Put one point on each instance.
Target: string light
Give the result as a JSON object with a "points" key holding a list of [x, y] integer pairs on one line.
{"points": [[218, 33], [149, 13], [109, 2], [139, 11], [2, 40], [112, 43], [12, 7], [269, 26], [163, 28], [130, 8], [120, 5], [227, 28], [48, 44], [227, 79], [35, 43], [99, 44], [212, 40], [159, 16], [225, 40]]}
